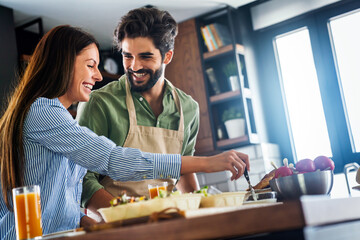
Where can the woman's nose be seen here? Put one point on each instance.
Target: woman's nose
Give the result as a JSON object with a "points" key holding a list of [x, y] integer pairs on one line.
{"points": [[98, 77]]}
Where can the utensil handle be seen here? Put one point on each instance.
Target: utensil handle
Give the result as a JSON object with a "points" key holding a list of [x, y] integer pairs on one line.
{"points": [[246, 174]]}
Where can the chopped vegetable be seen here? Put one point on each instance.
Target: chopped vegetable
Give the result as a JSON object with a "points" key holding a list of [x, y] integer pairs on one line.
{"points": [[162, 193], [203, 190], [176, 193], [124, 199]]}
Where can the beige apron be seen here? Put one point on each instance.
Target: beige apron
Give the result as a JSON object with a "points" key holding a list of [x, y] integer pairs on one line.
{"points": [[147, 139]]}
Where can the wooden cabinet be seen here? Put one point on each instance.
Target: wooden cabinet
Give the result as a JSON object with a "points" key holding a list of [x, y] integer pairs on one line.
{"points": [[185, 72]]}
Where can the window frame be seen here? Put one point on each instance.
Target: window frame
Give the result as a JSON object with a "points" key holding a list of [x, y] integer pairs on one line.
{"points": [[274, 105]]}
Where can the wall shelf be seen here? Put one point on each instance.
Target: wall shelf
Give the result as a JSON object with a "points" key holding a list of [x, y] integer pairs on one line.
{"points": [[224, 96], [220, 61], [225, 143], [224, 50]]}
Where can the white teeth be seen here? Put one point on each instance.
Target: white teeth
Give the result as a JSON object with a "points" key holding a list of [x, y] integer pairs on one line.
{"points": [[89, 86], [139, 74]]}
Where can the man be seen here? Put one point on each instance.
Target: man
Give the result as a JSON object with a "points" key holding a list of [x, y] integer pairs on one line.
{"points": [[143, 109]]}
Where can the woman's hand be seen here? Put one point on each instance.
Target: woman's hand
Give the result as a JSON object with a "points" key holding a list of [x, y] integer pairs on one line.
{"points": [[232, 160]]}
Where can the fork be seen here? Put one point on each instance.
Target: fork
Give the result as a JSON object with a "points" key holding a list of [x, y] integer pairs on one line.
{"points": [[246, 174]]}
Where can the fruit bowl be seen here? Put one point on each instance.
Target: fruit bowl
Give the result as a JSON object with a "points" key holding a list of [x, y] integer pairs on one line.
{"points": [[311, 183]]}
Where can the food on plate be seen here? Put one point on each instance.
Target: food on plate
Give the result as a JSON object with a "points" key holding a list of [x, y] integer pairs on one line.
{"points": [[305, 165], [124, 199], [324, 163], [203, 190], [124, 207], [265, 181]]}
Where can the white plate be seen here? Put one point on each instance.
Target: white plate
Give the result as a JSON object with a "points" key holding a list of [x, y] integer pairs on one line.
{"points": [[270, 200]]}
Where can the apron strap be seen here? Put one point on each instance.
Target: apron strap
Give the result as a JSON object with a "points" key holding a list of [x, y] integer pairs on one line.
{"points": [[130, 104], [178, 105]]}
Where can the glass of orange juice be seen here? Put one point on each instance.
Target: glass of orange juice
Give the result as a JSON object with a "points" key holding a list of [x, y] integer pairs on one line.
{"points": [[163, 186], [27, 212], [153, 190]]}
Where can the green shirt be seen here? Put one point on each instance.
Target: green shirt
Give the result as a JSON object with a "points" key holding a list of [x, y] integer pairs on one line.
{"points": [[106, 114]]}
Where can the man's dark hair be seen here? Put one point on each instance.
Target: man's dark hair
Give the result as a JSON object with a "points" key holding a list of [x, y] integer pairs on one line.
{"points": [[153, 23]]}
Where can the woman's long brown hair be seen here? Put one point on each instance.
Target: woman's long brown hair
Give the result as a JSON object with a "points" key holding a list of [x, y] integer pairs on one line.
{"points": [[48, 74]]}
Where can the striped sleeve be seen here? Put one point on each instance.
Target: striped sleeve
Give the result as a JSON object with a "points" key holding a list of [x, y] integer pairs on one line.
{"points": [[50, 124]]}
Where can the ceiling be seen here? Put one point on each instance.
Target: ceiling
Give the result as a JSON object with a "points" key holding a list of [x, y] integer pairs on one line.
{"points": [[101, 17]]}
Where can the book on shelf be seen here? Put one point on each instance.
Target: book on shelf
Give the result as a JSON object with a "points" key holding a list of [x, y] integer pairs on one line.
{"points": [[212, 38], [223, 33], [207, 44], [216, 35], [207, 38], [212, 79]]}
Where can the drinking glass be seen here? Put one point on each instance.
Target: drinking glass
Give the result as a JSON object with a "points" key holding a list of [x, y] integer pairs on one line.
{"points": [[163, 186], [27, 212], [153, 190]]}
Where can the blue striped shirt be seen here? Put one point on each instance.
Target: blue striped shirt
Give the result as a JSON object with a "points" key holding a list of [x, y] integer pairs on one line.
{"points": [[57, 153]]}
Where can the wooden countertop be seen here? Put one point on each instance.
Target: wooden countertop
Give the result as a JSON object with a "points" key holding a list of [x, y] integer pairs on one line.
{"points": [[241, 221]]}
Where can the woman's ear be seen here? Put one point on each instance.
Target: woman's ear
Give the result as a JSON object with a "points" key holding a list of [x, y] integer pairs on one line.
{"points": [[168, 56]]}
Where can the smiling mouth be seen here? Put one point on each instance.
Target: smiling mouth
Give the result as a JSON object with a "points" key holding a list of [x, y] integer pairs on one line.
{"points": [[89, 86], [139, 75]]}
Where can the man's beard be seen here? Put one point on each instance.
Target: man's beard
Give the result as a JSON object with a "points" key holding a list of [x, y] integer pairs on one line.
{"points": [[154, 77]]}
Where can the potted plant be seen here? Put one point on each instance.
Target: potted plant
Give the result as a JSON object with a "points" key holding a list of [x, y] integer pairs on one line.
{"points": [[234, 122], [231, 73]]}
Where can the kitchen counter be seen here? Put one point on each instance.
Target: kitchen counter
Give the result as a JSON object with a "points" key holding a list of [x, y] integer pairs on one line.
{"points": [[304, 219]]}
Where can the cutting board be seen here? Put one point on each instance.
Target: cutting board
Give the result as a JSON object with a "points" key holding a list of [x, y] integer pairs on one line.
{"points": [[217, 210]]}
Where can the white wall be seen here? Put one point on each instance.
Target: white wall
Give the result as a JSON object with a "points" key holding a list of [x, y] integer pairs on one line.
{"points": [[275, 11]]}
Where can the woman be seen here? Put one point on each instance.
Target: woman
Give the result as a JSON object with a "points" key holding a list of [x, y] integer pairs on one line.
{"points": [[42, 144]]}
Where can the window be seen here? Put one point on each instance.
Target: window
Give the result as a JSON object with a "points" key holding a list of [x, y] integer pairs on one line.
{"points": [[309, 72], [346, 50], [302, 95]]}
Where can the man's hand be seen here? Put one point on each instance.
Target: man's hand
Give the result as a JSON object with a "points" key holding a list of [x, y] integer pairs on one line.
{"points": [[87, 221]]}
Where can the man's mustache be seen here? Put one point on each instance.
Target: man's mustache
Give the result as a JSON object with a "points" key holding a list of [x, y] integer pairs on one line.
{"points": [[139, 71]]}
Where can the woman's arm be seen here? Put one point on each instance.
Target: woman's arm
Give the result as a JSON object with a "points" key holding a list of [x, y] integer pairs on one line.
{"points": [[232, 161], [49, 125]]}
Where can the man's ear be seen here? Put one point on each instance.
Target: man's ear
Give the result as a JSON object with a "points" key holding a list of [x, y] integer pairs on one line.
{"points": [[168, 56]]}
